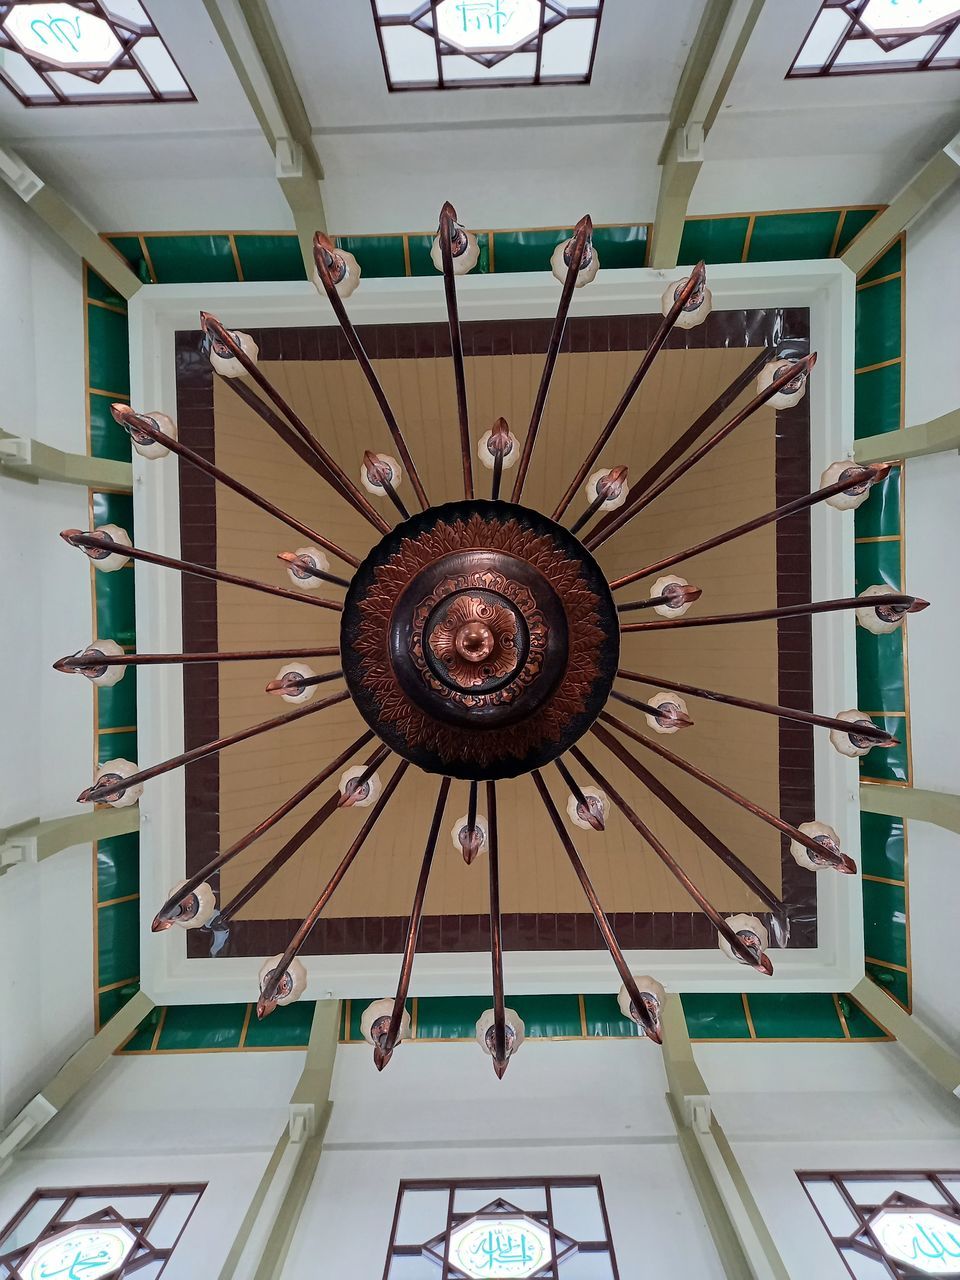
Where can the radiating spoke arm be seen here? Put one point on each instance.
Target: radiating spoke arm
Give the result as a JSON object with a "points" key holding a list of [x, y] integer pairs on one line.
{"points": [[594, 819], [103, 791], [581, 237], [694, 281], [304, 564], [667, 858], [448, 218], [609, 523], [895, 600], [82, 660], [880, 736], [386, 1044], [840, 862], [496, 938], [139, 422], [324, 255], [871, 473], [100, 542], [268, 995], [603, 924], [165, 916]]}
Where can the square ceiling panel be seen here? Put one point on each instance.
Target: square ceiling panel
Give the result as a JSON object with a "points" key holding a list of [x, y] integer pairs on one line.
{"points": [[473, 44]]}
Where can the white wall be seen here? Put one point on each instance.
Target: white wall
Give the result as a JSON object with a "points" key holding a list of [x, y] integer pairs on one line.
{"points": [[46, 1004], [193, 1117]]}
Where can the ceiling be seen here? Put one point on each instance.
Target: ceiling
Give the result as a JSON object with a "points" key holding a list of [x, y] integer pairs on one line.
{"points": [[390, 160]]}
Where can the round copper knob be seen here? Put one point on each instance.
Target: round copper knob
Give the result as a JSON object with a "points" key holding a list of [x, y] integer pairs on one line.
{"points": [[474, 641]]}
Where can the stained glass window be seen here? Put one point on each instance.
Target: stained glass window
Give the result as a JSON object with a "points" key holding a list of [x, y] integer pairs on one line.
{"points": [[856, 37], [472, 44], [94, 51]]}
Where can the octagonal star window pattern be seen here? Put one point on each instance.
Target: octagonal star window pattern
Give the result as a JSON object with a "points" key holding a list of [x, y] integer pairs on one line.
{"points": [[501, 1245], [470, 44], [857, 37], [90, 52]]}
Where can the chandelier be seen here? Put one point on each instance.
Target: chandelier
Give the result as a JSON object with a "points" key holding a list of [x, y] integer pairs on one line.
{"points": [[480, 640]]}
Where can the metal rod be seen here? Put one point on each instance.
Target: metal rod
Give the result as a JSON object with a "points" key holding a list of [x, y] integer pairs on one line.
{"points": [[80, 661], [603, 924], [472, 806], [268, 996], [101, 792], [290, 557], [212, 326], [448, 216], [703, 832], [323, 252], [283, 855], [165, 916], [667, 858], [98, 541], [793, 371], [500, 1059], [281, 685], [126, 417], [683, 595], [880, 736], [693, 282], [588, 815], [383, 1050], [594, 506], [871, 473], [609, 523], [497, 476], [581, 235], [679, 718], [843, 863], [907, 604], [379, 473], [608, 486]]}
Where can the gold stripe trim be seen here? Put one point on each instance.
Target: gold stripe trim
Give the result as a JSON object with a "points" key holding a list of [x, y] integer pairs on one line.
{"points": [[749, 1016], [881, 364], [156, 1035], [236, 257], [583, 1017], [883, 880], [114, 986], [840, 1015], [886, 964], [105, 306], [882, 537], [246, 1024], [112, 902], [838, 233], [744, 255], [868, 284]]}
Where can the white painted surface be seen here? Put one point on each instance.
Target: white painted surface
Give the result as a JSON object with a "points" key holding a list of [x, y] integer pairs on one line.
{"points": [[935, 948], [826, 287], [46, 1007]]}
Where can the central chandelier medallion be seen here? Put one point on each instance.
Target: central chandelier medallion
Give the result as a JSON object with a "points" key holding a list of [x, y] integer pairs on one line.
{"points": [[480, 640]]}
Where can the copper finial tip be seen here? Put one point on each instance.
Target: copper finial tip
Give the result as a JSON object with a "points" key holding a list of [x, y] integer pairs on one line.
{"points": [[66, 664], [71, 535], [282, 684], [448, 211], [846, 866], [655, 1034], [378, 472], [88, 794], [265, 1007], [699, 273], [290, 557], [470, 845], [887, 741], [585, 224], [919, 605], [878, 471], [689, 594], [764, 965], [669, 715], [351, 793], [500, 1066], [160, 923], [121, 412], [595, 820], [381, 1056], [810, 360]]}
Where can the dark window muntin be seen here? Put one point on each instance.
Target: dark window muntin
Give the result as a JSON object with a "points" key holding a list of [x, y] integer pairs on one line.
{"points": [[855, 30]]}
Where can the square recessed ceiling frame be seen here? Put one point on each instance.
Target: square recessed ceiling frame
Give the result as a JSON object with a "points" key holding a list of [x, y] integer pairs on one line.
{"points": [[561, 46], [140, 68], [840, 42], [826, 288]]}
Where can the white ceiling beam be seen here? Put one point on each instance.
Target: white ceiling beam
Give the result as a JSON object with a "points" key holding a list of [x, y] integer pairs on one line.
{"points": [[43, 201], [939, 807], [250, 40], [937, 175], [714, 56], [926, 1049]]}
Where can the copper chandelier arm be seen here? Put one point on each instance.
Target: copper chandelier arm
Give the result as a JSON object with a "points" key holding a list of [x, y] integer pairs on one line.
{"points": [[693, 282], [211, 325], [383, 1049], [612, 521], [303, 682], [267, 1001], [290, 557], [669, 861], [126, 417], [323, 249], [879, 736], [167, 912], [685, 595], [283, 855], [82, 660], [98, 541], [100, 792], [702, 831], [381, 475], [839, 862], [500, 1058], [448, 216], [589, 816], [603, 924], [871, 473], [799, 367], [904, 603], [675, 717], [582, 233], [611, 485]]}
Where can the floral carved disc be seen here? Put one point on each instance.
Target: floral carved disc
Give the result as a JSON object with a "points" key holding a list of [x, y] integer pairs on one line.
{"points": [[479, 640]]}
